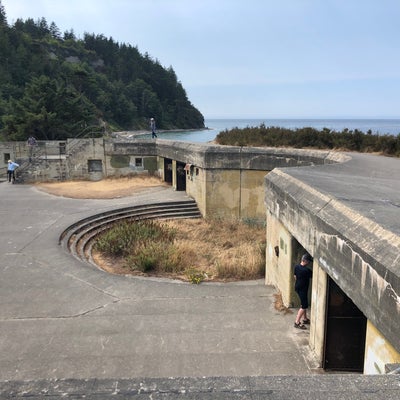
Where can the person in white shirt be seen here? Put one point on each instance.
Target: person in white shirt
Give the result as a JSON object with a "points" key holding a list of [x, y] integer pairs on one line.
{"points": [[12, 166]]}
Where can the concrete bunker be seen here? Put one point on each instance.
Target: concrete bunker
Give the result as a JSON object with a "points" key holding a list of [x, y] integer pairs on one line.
{"points": [[354, 302], [360, 257], [345, 333], [338, 327]]}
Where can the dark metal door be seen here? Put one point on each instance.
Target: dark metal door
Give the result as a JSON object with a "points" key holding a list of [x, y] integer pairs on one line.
{"points": [[345, 332], [168, 170], [180, 176]]}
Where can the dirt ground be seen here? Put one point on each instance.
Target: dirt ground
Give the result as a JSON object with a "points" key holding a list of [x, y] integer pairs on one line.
{"points": [[104, 189]]}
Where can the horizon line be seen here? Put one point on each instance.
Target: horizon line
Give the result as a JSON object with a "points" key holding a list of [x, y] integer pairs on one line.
{"points": [[304, 118]]}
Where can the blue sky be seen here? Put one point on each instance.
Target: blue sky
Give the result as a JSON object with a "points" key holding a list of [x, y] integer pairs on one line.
{"points": [[255, 58]]}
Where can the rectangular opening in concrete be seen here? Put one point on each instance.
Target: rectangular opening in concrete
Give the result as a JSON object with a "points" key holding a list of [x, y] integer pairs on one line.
{"points": [[95, 166], [168, 170], [180, 176], [345, 332]]}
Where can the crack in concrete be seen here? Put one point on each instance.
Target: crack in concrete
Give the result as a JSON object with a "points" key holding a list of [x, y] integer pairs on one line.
{"points": [[73, 316], [92, 286]]}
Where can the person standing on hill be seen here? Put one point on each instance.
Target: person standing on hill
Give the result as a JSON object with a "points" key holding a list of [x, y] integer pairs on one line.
{"points": [[12, 166], [302, 276], [153, 128]]}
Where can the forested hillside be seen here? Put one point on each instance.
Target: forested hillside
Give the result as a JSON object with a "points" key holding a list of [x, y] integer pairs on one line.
{"points": [[55, 86]]}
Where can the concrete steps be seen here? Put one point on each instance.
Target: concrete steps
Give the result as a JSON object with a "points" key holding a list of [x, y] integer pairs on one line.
{"points": [[79, 238]]}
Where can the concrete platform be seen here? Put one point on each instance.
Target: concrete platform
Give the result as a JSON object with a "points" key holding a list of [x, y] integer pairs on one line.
{"points": [[326, 387], [61, 319], [347, 216], [69, 330]]}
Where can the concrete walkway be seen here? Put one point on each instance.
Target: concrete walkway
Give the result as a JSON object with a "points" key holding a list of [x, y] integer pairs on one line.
{"points": [[63, 319], [69, 330]]}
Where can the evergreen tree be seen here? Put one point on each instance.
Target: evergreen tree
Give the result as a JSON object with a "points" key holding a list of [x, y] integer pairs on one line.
{"points": [[60, 87], [3, 16]]}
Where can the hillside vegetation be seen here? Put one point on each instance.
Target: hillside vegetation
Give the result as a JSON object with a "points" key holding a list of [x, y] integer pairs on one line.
{"points": [[57, 86], [311, 138]]}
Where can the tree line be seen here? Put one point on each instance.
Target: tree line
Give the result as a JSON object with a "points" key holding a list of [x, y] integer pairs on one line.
{"points": [[56, 86], [352, 140]]}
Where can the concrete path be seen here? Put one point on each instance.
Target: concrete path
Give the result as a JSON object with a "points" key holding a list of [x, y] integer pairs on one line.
{"points": [[68, 330], [62, 319]]}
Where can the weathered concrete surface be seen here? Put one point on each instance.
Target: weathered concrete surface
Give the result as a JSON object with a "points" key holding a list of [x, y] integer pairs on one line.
{"points": [[327, 387], [212, 156], [62, 319], [348, 216], [138, 147], [67, 328]]}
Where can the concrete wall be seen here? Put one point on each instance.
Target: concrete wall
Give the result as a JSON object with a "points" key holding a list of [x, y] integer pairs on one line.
{"points": [[229, 179], [174, 179], [279, 268], [318, 314], [227, 193], [223, 193], [80, 152], [47, 160], [252, 194], [354, 251], [196, 187], [378, 352]]}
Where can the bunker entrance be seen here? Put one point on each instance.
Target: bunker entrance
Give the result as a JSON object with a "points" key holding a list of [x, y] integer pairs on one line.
{"points": [[345, 332], [180, 176], [168, 170]]}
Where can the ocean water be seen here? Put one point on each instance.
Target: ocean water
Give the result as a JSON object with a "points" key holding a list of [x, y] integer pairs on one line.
{"points": [[377, 126]]}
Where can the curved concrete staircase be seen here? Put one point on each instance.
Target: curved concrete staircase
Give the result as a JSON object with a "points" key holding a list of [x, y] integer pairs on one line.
{"points": [[80, 237]]}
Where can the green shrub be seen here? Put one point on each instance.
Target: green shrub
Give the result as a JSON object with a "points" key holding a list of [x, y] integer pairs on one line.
{"points": [[155, 257], [308, 137], [144, 259], [146, 245], [117, 240], [123, 238]]}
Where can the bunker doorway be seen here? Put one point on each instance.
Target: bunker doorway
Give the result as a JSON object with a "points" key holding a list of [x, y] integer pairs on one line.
{"points": [[168, 170], [180, 176], [345, 332]]}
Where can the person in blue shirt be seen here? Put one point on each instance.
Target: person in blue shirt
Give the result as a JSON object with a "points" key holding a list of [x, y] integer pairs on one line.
{"points": [[302, 276], [12, 166]]}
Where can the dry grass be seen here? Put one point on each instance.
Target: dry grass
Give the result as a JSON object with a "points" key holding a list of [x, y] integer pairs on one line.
{"points": [[223, 250], [219, 250]]}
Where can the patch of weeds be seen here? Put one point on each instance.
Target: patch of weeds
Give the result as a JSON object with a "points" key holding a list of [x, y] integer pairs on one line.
{"points": [[195, 276], [143, 259], [227, 250], [127, 237]]}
